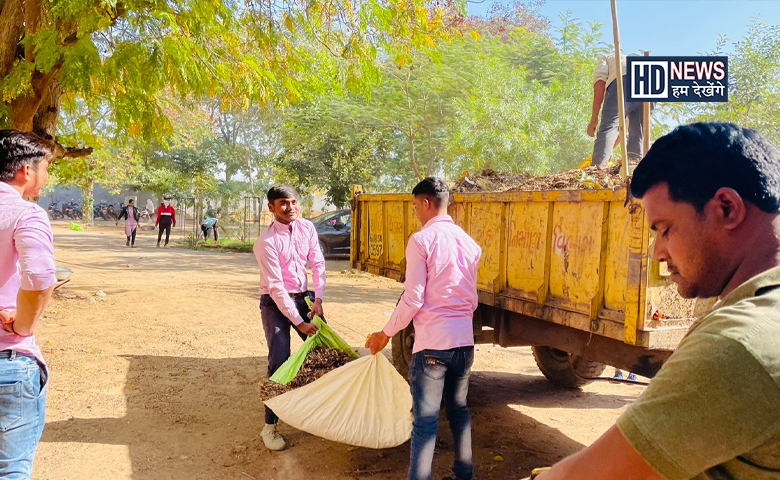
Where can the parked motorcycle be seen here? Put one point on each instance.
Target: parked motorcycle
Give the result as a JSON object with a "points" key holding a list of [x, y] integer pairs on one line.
{"points": [[105, 211], [73, 211], [109, 213], [54, 211]]}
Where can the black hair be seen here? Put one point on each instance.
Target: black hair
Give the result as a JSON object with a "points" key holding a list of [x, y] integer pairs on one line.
{"points": [[281, 191], [696, 160], [19, 149], [434, 188]]}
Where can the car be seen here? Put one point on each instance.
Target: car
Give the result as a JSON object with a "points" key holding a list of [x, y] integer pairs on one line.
{"points": [[333, 230]]}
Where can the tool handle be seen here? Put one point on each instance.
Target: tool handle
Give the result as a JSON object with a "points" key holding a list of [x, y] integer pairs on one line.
{"points": [[538, 471]]}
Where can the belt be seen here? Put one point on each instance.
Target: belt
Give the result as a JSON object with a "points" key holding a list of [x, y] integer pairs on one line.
{"points": [[291, 294], [14, 353]]}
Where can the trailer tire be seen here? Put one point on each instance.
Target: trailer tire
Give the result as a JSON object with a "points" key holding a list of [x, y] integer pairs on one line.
{"points": [[403, 343], [565, 369]]}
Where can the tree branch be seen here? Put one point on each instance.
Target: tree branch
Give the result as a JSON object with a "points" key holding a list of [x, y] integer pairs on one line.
{"points": [[11, 22], [73, 152], [24, 108], [33, 11]]}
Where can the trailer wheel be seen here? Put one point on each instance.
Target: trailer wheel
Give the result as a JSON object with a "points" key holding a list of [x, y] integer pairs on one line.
{"points": [[403, 343], [566, 369]]}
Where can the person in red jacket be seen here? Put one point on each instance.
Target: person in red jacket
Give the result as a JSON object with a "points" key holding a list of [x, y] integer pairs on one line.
{"points": [[166, 217]]}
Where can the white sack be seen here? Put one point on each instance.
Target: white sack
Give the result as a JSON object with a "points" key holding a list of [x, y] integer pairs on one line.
{"points": [[365, 403]]}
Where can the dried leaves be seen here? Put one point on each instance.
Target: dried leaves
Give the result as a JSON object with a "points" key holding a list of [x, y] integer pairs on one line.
{"points": [[319, 361], [589, 177]]}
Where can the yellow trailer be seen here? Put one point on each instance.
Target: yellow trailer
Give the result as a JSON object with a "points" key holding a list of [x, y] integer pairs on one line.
{"points": [[565, 271]]}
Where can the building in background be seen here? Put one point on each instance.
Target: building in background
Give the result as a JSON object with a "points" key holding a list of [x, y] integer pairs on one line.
{"points": [[60, 194]]}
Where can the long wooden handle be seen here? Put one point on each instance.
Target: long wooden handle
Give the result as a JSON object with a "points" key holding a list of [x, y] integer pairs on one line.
{"points": [[620, 99], [646, 122]]}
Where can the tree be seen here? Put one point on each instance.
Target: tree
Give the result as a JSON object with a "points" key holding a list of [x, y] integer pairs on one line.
{"points": [[320, 155], [245, 141], [754, 83], [502, 20], [104, 166], [108, 165], [529, 102], [123, 56], [517, 101]]}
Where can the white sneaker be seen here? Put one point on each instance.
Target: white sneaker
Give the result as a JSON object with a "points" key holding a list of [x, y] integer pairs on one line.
{"points": [[272, 439]]}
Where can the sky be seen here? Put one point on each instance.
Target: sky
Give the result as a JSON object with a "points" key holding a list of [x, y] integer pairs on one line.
{"points": [[664, 27]]}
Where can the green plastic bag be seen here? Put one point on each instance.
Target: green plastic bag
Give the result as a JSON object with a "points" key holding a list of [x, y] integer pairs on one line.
{"points": [[76, 227], [325, 337]]}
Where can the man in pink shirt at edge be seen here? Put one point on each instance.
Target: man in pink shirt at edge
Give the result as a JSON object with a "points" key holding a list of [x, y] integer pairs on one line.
{"points": [[282, 252], [27, 278], [441, 296]]}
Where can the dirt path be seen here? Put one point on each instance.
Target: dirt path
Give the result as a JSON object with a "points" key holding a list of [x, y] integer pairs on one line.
{"points": [[158, 379]]}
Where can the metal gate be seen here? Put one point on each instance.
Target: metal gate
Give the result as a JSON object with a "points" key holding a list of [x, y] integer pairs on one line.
{"points": [[251, 227]]}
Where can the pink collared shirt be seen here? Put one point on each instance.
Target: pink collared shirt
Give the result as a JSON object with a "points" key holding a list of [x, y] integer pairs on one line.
{"points": [[26, 259], [282, 252], [440, 288]]}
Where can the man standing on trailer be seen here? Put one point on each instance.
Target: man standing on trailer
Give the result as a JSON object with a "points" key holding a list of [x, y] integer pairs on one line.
{"points": [[605, 100], [711, 192]]}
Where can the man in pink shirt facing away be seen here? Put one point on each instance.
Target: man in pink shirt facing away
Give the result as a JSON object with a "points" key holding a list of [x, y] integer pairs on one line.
{"points": [[282, 252], [441, 296], [27, 278]]}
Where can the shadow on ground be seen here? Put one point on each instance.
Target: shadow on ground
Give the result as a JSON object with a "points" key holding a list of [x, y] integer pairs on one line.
{"points": [[175, 405]]}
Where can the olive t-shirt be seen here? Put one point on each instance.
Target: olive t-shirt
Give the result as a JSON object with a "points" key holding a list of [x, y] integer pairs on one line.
{"points": [[713, 410]]}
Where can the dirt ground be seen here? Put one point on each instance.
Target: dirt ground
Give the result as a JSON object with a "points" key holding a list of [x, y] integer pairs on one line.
{"points": [[158, 379]]}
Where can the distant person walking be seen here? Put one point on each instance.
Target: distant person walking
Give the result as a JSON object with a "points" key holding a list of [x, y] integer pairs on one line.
{"points": [[27, 279], [605, 100], [149, 206], [131, 215], [166, 218]]}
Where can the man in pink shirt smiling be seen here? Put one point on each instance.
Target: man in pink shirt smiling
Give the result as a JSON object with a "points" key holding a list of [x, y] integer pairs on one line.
{"points": [[282, 252], [441, 296], [27, 278]]}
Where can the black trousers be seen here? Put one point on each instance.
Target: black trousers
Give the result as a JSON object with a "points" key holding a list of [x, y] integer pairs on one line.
{"points": [[167, 228], [132, 237], [277, 335], [206, 230]]}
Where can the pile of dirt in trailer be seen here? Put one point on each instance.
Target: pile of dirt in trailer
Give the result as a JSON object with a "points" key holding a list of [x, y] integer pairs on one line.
{"points": [[586, 178], [319, 361]]}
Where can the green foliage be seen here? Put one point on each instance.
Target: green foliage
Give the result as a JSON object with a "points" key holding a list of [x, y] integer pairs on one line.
{"points": [[129, 56], [754, 87], [526, 111], [320, 155], [516, 101]]}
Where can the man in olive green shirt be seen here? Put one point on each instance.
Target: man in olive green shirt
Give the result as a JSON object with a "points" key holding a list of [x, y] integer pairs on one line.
{"points": [[711, 192]]}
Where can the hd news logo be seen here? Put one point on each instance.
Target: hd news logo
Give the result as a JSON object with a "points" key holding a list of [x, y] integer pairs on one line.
{"points": [[677, 79]]}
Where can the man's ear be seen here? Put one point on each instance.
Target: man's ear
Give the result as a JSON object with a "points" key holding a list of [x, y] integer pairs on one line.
{"points": [[23, 174], [729, 207]]}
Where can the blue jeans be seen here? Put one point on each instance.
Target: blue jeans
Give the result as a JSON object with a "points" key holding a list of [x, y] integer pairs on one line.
{"points": [[610, 125], [23, 386], [436, 374]]}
